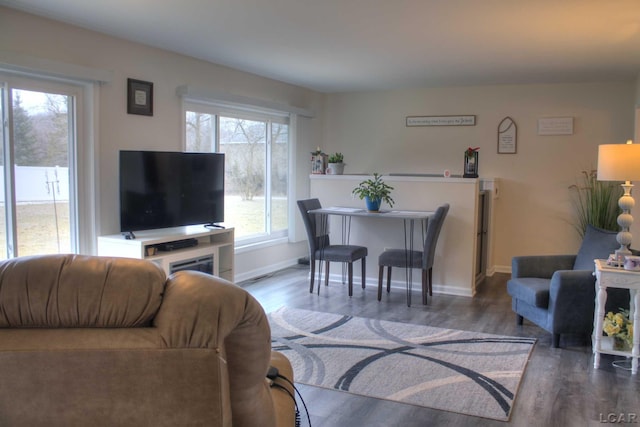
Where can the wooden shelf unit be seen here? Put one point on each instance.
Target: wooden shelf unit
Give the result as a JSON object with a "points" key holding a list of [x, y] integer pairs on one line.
{"points": [[215, 242]]}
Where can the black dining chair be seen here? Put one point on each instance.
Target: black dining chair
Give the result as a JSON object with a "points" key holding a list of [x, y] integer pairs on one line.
{"points": [[321, 249], [404, 258]]}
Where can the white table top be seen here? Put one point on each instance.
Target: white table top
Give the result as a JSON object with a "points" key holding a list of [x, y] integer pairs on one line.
{"points": [[397, 214], [601, 264]]}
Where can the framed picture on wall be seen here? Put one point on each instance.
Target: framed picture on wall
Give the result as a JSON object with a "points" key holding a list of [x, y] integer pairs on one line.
{"points": [[139, 97]]}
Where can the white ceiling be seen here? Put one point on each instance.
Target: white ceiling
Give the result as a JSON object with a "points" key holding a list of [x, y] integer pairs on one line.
{"points": [[355, 45]]}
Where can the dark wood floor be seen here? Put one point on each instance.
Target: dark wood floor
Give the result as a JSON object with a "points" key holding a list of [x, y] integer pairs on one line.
{"points": [[560, 386]]}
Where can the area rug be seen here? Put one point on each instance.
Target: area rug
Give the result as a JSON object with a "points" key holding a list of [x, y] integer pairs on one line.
{"points": [[464, 372]]}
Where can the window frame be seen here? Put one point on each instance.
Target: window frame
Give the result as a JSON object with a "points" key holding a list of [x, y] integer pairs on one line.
{"points": [[82, 208], [248, 112]]}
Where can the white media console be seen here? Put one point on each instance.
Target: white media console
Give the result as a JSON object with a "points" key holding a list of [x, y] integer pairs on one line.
{"points": [[213, 249]]}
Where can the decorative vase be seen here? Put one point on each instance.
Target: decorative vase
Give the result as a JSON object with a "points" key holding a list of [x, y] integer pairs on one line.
{"points": [[620, 344], [373, 205], [470, 164]]}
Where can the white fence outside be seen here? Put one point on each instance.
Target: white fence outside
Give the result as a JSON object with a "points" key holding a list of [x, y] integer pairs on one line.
{"points": [[39, 184]]}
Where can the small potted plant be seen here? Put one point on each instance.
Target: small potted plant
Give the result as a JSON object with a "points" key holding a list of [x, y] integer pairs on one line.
{"points": [[335, 164], [374, 192], [620, 328]]}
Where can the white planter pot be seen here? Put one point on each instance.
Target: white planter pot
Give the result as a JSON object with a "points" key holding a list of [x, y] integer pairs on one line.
{"points": [[335, 169]]}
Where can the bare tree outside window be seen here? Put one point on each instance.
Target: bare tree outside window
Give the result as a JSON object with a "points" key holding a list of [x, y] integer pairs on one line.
{"points": [[201, 133], [256, 168], [244, 143], [40, 142]]}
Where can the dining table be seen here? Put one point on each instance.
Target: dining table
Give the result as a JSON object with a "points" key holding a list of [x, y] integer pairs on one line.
{"points": [[409, 217]]}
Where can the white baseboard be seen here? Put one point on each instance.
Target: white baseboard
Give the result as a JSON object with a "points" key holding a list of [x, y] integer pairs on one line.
{"points": [[502, 269], [248, 275], [400, 285], [373, 282]]}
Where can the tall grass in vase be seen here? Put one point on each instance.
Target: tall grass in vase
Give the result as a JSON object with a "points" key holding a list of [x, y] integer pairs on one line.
{"points": [[595, 202]]}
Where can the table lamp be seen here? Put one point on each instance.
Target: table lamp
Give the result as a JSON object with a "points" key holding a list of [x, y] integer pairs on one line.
{"points": [[621, 162]]}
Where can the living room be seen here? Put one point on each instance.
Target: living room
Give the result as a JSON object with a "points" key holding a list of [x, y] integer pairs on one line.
{"points": [[533, 215], [367, 126]]}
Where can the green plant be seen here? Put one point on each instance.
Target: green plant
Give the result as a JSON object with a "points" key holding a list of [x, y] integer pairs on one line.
{"points": [[335, 158], [374, 189], [596, 203]]}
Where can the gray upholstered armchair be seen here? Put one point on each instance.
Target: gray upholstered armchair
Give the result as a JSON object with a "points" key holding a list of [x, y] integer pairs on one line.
{"points": [[557, 292]]}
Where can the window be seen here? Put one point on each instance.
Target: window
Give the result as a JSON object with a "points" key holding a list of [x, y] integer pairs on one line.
{"points": [[256, 147], [39, 204]]}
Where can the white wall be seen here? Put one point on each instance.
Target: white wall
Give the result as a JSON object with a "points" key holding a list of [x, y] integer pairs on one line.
{"points": [[637, 123], [454, 271], [533, 213], [116, 130]]}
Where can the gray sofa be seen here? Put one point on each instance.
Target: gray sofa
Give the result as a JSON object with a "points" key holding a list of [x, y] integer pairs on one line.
{"points": [[89, 341], [557, 292]]}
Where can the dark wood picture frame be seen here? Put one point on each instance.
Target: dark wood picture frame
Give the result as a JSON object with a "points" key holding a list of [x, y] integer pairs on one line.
{"points": [[139, 97]]}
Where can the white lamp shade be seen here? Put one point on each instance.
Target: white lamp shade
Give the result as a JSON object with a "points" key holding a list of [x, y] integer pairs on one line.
{"points": [[619, 162]]}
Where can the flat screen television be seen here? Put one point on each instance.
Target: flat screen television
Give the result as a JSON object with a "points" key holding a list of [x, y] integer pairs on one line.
{"points": [[161, 189]]}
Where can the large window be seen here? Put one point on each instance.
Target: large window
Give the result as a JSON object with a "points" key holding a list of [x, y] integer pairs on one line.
{"points": [[38, 202], [256, 147]]}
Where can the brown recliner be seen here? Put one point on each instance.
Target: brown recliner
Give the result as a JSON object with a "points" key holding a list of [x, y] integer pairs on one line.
{"points": [[92, 341]]}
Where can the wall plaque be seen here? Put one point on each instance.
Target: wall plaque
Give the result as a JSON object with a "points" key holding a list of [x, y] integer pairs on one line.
{"points": [[441, 120], [555, 126], [507, 136]]}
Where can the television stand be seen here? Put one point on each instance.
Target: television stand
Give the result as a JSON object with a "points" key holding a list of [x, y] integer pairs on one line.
{"points": [[202, 242], [177, 244]]}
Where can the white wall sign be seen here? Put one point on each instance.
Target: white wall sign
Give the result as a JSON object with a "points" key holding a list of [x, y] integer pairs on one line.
{"points": [[555, 126], [441, 120], [507, 136]]}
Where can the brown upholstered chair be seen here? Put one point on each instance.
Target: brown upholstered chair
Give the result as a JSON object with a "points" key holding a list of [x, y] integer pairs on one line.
{"points": [[91, 341]]}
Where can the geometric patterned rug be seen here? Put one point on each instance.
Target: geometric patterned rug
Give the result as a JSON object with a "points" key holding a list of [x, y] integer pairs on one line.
{"points": [[465, 372]]}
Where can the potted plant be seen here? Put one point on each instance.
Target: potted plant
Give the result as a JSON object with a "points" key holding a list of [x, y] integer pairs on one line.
{"points": [[620, 328], [374, 191], [595, 202], [335, 164]]}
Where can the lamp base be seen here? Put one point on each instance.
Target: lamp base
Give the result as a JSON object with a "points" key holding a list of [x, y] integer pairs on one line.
{"points": [[625, 220]]}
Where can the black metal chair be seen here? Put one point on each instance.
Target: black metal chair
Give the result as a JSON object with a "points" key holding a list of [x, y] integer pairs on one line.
{"points": [[320, 249], [404, 258]]}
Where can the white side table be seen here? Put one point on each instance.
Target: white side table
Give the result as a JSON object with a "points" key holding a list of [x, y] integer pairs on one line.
{"points": [[611, 277]]}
